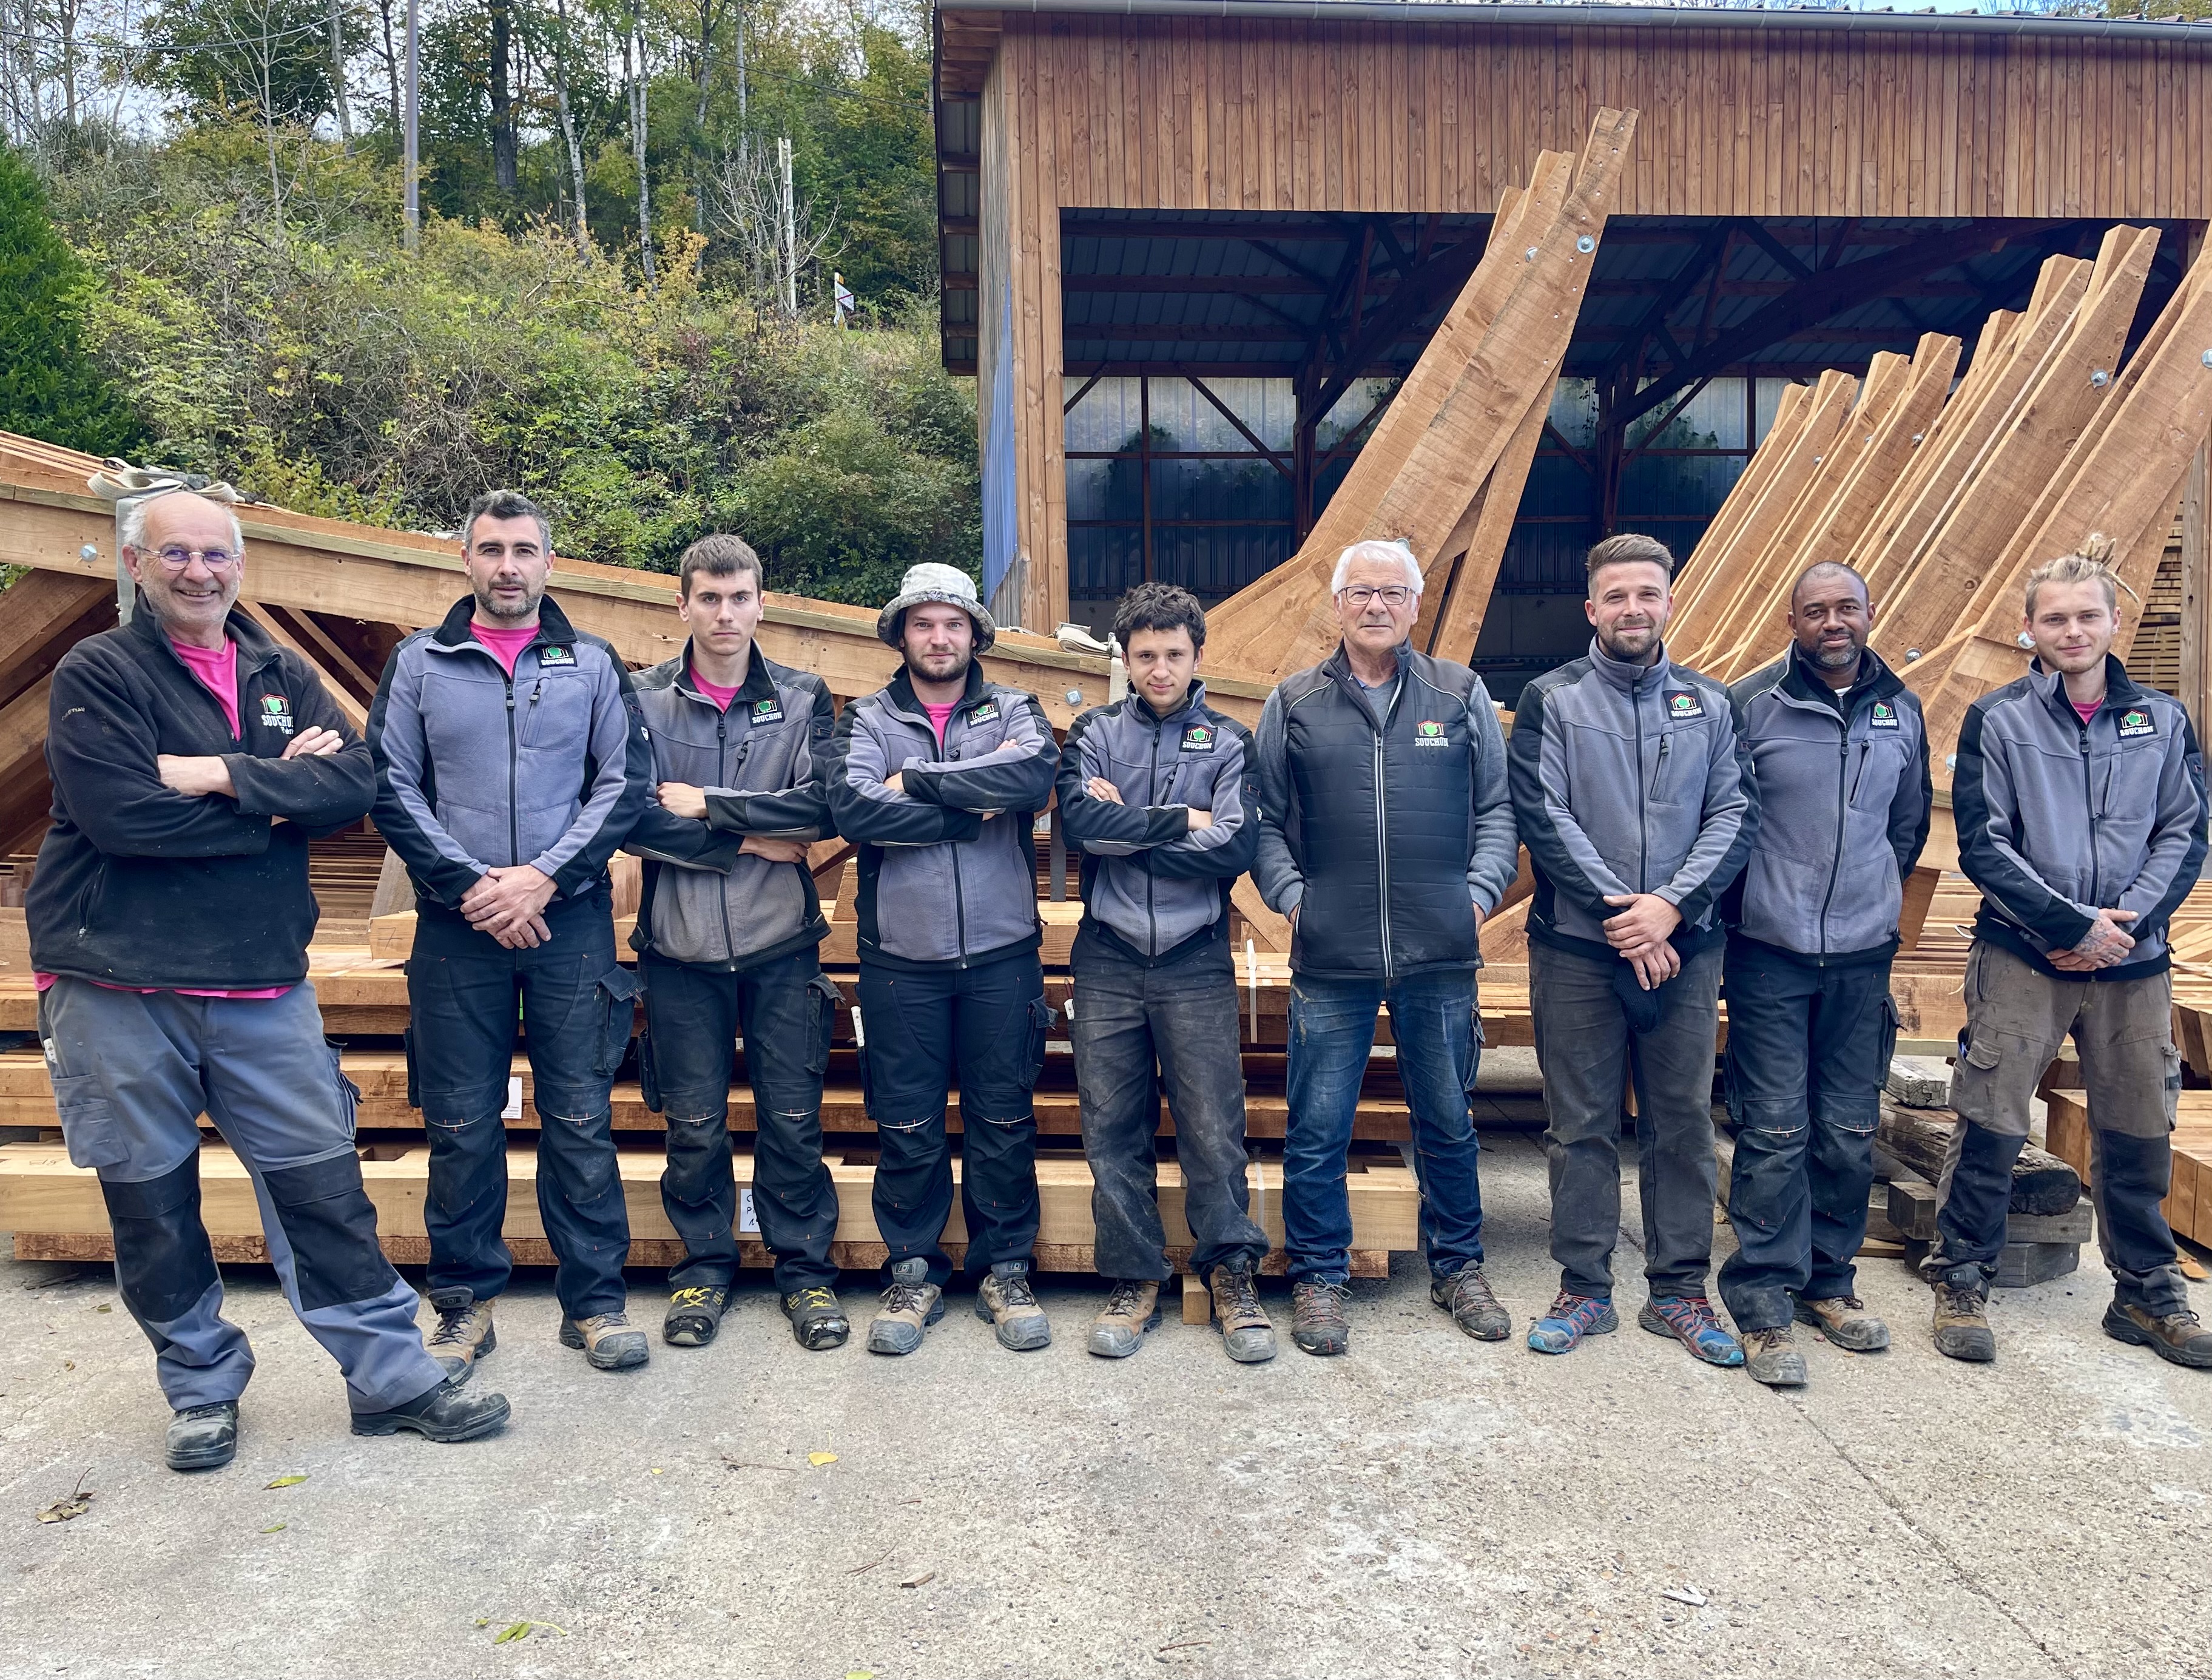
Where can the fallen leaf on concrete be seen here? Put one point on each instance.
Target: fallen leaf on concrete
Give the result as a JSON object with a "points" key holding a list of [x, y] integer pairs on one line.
{"points": [[659, 1472], [103, 1307], [818, 1459], [1685, 1595], [861, 1674], [2192, 1268], [69, 1364], [63, 1509], [522, 1630], [921, 1580], [276, 1528], [286, 1481]]}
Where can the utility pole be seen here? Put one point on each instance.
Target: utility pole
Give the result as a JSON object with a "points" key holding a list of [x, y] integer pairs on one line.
{"points": [[790, 230], [410, 151]]}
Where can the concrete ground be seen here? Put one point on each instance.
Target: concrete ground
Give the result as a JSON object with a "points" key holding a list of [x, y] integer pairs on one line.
{"points": [[1427, 1506]]}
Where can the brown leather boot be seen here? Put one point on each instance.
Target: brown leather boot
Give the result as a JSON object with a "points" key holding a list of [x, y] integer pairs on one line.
{"points": [[1962, 1323], [1004, 1299], [1317, 1322], [1770, 1356], [1247, 1333], [911, 1305], [607, 1340], [464, 1334], [1845, 1322], [1131, 1310], [2177, 1338]]}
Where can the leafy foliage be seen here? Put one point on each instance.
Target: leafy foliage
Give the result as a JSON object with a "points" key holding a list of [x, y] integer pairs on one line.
{"points": [[48, 385]]}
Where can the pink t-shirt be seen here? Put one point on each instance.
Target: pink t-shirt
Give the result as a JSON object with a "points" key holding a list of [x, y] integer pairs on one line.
{"points": [[218, 674], [2088, 708], [939, 716], [506, 645], [721, 696]]}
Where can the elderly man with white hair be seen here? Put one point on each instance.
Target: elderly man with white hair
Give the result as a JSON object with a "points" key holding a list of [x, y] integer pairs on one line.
{"points": [[193, 758], [1386, 836]]}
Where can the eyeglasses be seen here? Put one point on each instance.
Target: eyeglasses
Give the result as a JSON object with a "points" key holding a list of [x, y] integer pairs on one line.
{"points": [[215, 559], [1393, 594]]}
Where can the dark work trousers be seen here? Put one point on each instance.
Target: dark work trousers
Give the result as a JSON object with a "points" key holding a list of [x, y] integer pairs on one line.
{"points": [[1808, 1051], [132, 1072], [1332, 1028], [2017, 1018], [988, 1023], [1589, 1054], [785, 1009], [575, 1004], [1182, 1017]]}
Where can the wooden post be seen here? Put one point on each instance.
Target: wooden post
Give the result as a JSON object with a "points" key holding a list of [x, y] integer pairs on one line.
{"points": [[2193, 684]]}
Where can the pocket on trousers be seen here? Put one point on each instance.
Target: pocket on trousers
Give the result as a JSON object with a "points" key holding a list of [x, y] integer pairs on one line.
{"points": [[1892, 1023], [1042, 1016], [619, 991], [88, 1125], [1982, 1053], [348, 1092], [414, 1076], [828, 999], [648, 1073]]}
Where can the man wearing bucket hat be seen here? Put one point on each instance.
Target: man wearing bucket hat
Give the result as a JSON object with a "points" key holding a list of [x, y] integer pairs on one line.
{"points": [[938, 775]]}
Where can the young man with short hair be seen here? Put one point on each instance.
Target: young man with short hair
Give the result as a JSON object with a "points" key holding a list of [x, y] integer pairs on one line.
{"points": [[2080, 804], [511, 763], [731, 938], [1838, 753], [1637, 813], [1157, 790], [940, 775], [193, 758]]}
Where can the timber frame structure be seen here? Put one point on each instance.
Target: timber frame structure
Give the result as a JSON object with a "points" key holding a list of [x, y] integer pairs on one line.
{"points": [[1207, 189]]}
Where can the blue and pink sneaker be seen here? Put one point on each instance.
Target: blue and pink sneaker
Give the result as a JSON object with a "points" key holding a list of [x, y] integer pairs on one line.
{"points": [[1689, 1319], [1571, 1319]]}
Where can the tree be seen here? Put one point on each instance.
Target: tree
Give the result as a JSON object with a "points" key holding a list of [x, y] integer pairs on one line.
{"points": [[49, 387]]}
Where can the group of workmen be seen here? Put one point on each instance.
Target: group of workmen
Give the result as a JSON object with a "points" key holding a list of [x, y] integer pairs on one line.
{"points": [[1685, 839]]}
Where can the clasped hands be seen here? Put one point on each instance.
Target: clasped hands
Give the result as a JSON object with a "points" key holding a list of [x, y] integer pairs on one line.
{"points": [[2104, 945], [1640, 934]]}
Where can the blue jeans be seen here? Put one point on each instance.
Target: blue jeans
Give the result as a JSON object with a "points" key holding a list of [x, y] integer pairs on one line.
{"points": [[1439, 1047], [463, 990]]}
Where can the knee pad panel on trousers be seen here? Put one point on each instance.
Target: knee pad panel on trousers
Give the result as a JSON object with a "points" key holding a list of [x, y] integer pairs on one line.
{"points": [[331, 1226], [163, 1260]]}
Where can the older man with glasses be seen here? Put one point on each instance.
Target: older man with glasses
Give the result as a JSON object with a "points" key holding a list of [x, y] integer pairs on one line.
{"points": [[1386, 836], [193, 760]]}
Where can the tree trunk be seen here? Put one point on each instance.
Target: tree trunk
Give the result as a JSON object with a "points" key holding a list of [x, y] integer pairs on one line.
{"points": [[637, 108], [338, 78], [502, 98], [391, 63], [559, 70]]}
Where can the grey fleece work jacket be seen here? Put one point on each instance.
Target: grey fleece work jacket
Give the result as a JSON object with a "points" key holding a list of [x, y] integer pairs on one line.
{"points": [[1152, 886], [2058, 819], [1628, 778], [478, 769], [1386, 830], [941, 885], [1843, 801], [705, 901]]}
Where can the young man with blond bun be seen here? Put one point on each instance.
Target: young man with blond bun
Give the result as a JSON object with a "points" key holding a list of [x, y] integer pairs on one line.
{"points": [[1636, 812], [2080, 805], [1386, 836], [1157, 790], [730, 930]]}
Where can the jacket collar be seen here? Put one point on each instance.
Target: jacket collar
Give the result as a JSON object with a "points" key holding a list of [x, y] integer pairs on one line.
{"points": [[1193, 701], [256, 646], [1801, 681], [1626, 676], [903, 700], [2120, 689], [554, 630], [759, 684]]}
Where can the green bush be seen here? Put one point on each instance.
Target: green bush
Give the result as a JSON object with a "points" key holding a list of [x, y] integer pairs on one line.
{"points": [[49, 388]]}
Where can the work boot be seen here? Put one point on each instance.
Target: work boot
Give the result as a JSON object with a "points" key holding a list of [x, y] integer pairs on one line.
{"points": [[443, 1414], [1132, 1309], [1004, 1299], [1474, 1307], [695, 1313], [911, 1305], [1770, 1356], [1689, 1319], [1246, 1331], [1845, 1322], [464, 1334], [202, 1437], [816, 1321], [1572, 1317], [1317, 1321], [1962, 1323], [607, 1340], [2176, 1337]]}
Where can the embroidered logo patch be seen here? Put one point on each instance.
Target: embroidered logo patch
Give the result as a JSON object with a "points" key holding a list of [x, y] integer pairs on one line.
{"points": [[2134, 722], [1884, 716], [1199, 738], [984, 713], [1685, 703], [553, 655], [769, 710], [276, 712], [1429, 732]]}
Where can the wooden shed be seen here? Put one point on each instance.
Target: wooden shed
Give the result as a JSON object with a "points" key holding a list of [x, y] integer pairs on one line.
{"points": [[1189, 247]]}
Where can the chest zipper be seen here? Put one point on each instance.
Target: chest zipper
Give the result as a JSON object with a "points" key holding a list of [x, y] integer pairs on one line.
{"points": [[2089, 805], [1659, 770], [514, 753], [1643, 813], [1152, 797], [722, 769], [1844, 798], [959, 892], [1382, 835]]}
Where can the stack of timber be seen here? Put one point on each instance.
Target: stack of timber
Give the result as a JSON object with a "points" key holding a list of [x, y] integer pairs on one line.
{"points": [[1443, 469], [2046, 1222], [2067, 1135]]}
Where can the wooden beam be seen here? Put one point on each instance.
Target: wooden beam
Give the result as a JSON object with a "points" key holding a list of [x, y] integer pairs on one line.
{"points": [[40, 621], [356, 713]]}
